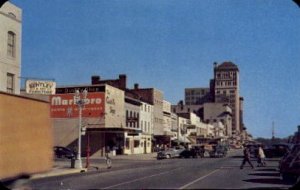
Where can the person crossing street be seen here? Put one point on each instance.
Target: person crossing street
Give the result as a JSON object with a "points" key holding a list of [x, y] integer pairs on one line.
{"points": [[246, 152]]}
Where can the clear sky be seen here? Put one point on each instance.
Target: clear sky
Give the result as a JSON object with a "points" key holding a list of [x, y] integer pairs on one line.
{"points": [[171, 45]]}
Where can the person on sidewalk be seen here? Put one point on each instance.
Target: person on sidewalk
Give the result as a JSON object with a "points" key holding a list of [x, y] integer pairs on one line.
{"points": [[246, 152], [261, 157]]}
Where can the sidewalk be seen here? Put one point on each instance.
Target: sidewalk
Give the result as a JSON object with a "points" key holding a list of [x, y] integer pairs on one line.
{"points": [[63, 167]]}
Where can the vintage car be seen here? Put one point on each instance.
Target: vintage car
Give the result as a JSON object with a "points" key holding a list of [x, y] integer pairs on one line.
{"points": [[218, 151], [277, 150], [289, 165], [169, 153]]}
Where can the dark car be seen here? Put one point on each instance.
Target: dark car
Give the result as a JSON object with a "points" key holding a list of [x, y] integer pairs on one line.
{"points": [[289, 165], [188, 153], [64, 152], [277, 150]]}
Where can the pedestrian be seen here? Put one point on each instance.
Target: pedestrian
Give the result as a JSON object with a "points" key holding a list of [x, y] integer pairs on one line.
{"points": [[261, 157], [246, 157]]}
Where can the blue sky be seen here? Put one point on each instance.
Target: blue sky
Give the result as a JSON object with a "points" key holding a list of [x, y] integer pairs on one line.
{"points": [[171, 45]]}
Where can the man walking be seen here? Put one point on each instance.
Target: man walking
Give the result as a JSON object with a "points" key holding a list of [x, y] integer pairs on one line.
{"points": [[246, 157]]}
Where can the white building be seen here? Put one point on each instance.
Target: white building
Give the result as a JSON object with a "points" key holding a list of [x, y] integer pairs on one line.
{"points": [[10, 48], [146, 125]]}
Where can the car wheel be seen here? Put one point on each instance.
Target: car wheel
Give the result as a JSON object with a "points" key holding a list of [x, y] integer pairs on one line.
{"points": [[168, 156]]}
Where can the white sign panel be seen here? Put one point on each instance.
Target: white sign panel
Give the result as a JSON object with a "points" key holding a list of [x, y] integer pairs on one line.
{"points": [[40, 87]]}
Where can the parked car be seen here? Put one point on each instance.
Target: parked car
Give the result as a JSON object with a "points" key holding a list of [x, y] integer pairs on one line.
{"points": [[289, 165], [218, 151], [63, 152], [169, 153], [277, 150]]}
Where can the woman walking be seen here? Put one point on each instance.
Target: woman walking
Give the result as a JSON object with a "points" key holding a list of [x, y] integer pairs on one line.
{"points": [[261, 157]]}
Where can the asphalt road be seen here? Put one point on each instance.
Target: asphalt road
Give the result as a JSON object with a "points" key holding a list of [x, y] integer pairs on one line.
{"points": [[201, 173]]}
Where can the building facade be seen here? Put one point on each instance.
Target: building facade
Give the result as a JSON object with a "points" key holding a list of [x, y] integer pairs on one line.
{"points": [[197, 96], [10, 48], [146, 124]]}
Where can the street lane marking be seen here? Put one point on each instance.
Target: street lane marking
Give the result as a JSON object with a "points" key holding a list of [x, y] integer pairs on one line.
{"points": [[140, 179], [185, 186]]}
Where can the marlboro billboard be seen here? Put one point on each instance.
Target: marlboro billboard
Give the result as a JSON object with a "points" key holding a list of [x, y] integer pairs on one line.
{"points": [[64, 106]]}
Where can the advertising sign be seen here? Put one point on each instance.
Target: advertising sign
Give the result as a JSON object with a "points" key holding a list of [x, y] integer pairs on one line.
{"points": [[64, 106], [40, 87]]}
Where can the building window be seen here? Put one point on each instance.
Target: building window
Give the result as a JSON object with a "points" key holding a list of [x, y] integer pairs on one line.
{"points": [[11, 44], [10, 83]]}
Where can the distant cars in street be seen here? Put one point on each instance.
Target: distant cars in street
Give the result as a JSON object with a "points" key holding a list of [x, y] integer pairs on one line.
{"points": [[63, 152], [218, 151]]}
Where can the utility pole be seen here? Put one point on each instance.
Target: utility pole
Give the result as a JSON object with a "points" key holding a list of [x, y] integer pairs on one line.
{"points": [[273, 132]]}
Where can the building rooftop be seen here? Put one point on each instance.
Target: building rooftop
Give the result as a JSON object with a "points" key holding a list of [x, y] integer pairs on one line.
{"points": [[227, 65]]}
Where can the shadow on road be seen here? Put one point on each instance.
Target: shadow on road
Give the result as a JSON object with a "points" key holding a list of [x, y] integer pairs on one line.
{"points": [[237, 157], [266, 174], [266, 170], [268, 181]]}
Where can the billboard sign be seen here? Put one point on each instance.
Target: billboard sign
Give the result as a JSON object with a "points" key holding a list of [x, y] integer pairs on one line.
{"points": [[64, 106], [40, 87]]}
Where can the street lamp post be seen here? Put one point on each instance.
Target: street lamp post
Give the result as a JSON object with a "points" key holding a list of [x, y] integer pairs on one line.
{"points": [[80, 101]]}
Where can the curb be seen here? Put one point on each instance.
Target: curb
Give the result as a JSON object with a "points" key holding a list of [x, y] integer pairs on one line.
{"points": [[58, 173]]}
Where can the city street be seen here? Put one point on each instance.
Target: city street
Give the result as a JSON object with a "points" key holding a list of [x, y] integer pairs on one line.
{"points": [[201, 173]]}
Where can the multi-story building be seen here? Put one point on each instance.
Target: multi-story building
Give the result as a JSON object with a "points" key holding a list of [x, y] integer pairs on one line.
{"points": [[154, 97], [103, 116], [10, 48], [146, 125], [226, 89], [132, 121], [167, 119], [197, 96]]}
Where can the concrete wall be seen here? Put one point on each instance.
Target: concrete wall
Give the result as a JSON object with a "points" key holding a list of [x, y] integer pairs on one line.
{"points": [[26, 138], [10, 64]]}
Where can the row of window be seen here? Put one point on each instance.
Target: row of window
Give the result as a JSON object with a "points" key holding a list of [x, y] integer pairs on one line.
{"points": [[225, 83], [232, 92], [132, 114], [146, 108], [226, 75], [195, 92], [146, 126]]}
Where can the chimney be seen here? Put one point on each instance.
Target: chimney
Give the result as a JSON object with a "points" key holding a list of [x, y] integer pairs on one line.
{"points": [[136, 86], [122, 81], [96, 79]]}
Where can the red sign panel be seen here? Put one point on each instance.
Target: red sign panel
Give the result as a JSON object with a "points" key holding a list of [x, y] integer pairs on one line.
{"points": [[64, 105]]}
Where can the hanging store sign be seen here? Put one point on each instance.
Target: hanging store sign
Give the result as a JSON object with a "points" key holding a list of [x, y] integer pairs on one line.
{"points": [[40, 87], [64, 106]]}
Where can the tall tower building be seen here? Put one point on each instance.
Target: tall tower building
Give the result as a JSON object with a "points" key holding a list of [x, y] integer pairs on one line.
{"points": [[226, 89], [10, 48]]}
